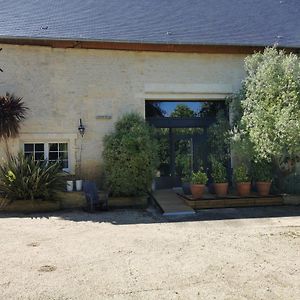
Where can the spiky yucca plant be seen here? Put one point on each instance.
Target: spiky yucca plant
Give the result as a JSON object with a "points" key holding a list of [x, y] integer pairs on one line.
{"points": [[12, 113], [22, 178]]}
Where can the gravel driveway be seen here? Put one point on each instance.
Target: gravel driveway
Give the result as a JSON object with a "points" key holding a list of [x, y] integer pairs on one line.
{"points": [[134, 254]]}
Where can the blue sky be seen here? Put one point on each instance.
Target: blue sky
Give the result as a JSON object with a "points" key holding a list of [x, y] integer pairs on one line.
{"points": [[170, 106]]}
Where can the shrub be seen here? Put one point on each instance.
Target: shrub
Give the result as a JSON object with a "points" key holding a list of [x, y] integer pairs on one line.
{"points": [[199, 177], [130, 157], [219, 173], [262, 171], [271, 109], [21, 178], [240, 174]]}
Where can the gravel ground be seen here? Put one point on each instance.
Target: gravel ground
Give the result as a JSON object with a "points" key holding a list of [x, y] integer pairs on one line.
{"points": [[134, 254]]}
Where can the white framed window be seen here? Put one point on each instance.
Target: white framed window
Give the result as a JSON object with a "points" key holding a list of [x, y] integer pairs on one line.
{"points": [[52, 152]]}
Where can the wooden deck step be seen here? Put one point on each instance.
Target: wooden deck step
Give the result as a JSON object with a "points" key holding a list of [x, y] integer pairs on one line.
{"points": [[171, 204], [232, 202]]}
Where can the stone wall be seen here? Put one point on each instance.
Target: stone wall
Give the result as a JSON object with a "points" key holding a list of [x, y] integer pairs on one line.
{"points": [[62, 85]]}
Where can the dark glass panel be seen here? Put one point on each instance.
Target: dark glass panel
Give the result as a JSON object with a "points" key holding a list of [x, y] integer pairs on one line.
{"points": [[63, 147], [53, 155], [63, 155], [53, 147], [65, 164], [39, 147], [28, 154], [39, 156], [183, 109], [28, 147]]}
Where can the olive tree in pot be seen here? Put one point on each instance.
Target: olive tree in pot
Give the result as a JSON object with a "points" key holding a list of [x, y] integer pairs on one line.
{"points": [[219, 176], [242, 179], [198, 181], [262, 174]]}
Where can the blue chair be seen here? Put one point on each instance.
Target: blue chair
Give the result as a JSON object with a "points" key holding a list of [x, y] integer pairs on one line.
{"points": [[92, 197]]}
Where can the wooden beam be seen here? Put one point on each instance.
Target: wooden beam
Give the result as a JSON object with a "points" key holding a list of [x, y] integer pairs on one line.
{"points": [[85, 44]]}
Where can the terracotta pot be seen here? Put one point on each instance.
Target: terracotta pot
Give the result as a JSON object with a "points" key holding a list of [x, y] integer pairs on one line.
{"points": [[221, 189], [197, 190], [263, 188], [243, 188]]}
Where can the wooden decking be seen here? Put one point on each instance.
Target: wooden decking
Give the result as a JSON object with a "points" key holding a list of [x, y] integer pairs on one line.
{"points": [[210, 201], [171, 204]]}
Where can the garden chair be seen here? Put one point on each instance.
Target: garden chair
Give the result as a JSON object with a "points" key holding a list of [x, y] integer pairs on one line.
{"points": [[92, 197]]}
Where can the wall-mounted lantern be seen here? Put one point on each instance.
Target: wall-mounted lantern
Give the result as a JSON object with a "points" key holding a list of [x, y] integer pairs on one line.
{"points": [[81, 128]]}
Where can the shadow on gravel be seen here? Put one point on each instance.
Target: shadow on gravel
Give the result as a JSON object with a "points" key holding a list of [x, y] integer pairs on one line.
{"points": [[151, 215]]}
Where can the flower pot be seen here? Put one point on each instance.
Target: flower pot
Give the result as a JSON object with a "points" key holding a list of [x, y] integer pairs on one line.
{"points": [[78, 185], [197, 190], [69, 185], [243, 188], [221, 189], [263, 188], [186, 188]]}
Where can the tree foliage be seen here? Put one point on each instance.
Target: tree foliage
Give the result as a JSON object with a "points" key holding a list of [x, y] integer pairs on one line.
{"points": [[130, 156], [271, 108], [12, 112], [219, 139]]}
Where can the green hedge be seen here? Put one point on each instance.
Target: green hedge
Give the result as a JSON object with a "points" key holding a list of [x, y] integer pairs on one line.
{"points": [[130, 157]]}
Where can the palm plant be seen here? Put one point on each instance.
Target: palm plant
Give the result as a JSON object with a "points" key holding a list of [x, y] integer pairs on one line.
{"points": [[22, 178], [12, 113]]}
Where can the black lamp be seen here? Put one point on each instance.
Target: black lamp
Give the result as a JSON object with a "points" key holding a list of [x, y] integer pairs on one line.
{"points": [[81, 128]]}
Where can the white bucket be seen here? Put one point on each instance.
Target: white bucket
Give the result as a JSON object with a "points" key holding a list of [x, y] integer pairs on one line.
{"points": [[69, 185], [78, 185]]}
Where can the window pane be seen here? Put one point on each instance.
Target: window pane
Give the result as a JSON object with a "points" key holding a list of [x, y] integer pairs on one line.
{"points": [[181, 109], [63, 155], [65, 164], [53, 155], [39, 147], [63, 147], [53, 147], [28, 147], [39, 156], [28, 154]]}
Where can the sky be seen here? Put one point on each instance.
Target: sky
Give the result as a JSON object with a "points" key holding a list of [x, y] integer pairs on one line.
{"points": [[170, 106]]}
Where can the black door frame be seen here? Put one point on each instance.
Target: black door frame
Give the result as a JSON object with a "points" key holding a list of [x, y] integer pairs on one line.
{"points": [[172, 123]]}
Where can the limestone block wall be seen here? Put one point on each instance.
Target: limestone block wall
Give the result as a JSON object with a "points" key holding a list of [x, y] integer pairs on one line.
{"points": [[60, 86]]}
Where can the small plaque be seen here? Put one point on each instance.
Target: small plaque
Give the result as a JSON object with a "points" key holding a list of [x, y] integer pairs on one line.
{"points": [[103, 117]]}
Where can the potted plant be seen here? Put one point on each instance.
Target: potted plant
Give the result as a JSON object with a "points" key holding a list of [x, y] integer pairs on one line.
{"points": [[262, 174], [242, 180], [198, 182], [186, 184], [219, 176]]}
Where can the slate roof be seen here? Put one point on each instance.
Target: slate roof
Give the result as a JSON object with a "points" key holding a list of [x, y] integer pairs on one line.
{"points": [[197, 22]]}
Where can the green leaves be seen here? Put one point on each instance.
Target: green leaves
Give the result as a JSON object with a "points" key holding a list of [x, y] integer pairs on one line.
{"points": [[12, 112], [199, 177], [240, 174], [22, 178], [219, 173], [219, 138], [272, 103], [262, 171], [130, 156]]}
